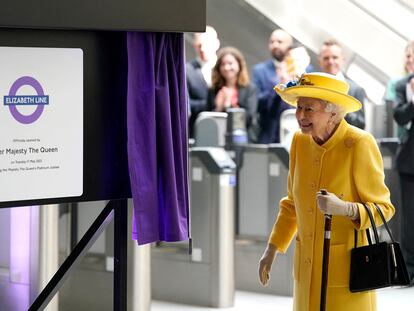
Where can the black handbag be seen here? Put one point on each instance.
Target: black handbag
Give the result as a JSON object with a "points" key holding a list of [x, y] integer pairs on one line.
{"points": [[379, 264]]}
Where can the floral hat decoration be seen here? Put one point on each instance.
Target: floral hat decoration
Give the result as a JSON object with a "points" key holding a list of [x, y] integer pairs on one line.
{"points": [[318, 85]]}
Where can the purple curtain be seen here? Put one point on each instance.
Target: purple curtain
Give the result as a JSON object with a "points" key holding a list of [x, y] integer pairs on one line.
{"points": [[157, 136]]}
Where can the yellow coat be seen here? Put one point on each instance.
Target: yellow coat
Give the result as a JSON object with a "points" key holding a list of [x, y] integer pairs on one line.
{"points": [[349, 164]]}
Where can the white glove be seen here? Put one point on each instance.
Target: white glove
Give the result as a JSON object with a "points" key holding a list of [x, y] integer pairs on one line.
{"points": [[265, 263], [332, 205]]}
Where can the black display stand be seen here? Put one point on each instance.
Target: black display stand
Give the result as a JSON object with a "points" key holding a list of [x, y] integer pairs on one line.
{"points": [[117, 210], [98, 28]]}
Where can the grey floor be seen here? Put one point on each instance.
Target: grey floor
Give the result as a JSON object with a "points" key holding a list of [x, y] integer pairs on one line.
{"points": [[90, 289], [389, 299], [98, 297]]}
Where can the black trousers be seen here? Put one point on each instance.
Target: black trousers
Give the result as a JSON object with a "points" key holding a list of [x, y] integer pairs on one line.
{"points": [[407, 221]]}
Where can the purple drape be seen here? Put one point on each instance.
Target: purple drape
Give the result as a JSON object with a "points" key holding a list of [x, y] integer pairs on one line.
{"points": [[157, 136]]}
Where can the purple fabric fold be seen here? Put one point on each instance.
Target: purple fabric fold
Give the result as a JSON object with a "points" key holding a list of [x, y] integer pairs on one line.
{"points": [[157, 136]]}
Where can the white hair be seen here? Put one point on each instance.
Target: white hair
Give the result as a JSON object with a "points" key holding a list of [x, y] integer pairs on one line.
{"points": [[339, 111]]}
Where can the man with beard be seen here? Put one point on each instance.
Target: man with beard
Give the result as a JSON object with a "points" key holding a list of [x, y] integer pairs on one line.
{"points": [[265, 76]]}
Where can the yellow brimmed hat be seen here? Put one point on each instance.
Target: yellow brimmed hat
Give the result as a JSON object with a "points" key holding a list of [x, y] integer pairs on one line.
{"points": [[319, 85]]}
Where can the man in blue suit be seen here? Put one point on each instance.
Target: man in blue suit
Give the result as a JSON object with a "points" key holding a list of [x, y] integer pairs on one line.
{"points": [[265, 77], [199, 70]]}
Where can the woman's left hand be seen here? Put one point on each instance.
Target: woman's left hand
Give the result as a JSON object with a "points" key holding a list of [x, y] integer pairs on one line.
{"points": [[332, 205]]}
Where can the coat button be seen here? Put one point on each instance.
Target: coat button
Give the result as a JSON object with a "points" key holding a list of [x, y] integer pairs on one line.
{"points": [[317, 161], [309, 236], [313, 185], [308, 261], [310, 210], [349, 142]]}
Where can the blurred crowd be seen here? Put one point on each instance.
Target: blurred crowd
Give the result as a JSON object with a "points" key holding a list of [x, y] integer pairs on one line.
{"points": [[218, 78]]}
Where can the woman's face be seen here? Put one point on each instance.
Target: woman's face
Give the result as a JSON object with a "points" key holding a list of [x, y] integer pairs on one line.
{"points": [[312, 117], [409, 60], [229, 67]]}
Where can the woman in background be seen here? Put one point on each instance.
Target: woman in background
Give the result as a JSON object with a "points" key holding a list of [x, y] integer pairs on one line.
{"points": [[231, 87]]}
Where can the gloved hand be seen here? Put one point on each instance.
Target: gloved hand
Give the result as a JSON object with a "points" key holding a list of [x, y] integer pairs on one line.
{"points": [[332, 205], [265, 263]]}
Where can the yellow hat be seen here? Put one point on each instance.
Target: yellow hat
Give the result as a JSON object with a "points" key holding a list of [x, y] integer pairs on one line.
{"points": [[319, 85]]}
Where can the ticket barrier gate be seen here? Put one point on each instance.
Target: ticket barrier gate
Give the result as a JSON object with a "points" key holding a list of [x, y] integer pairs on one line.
{"points": [[262, 183], [388, 148], [263, 179], [206, 277]]}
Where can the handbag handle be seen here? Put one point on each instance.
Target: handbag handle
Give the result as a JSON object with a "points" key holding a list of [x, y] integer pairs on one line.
{"points": [[384, 222], [374, 226], [371, 219]]}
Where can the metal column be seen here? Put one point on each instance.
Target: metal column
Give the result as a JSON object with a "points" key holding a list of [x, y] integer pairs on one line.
{"points": [[139, 267], [44, 250]]}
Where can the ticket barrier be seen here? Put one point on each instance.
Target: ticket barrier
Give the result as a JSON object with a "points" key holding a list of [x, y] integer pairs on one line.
{"points": [[263, 178], [206, 277], [388, 147], [210, 129], [262, 183]]}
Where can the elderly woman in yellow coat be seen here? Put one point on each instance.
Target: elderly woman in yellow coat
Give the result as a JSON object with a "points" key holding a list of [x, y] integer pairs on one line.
{"points": [[327, 153]]}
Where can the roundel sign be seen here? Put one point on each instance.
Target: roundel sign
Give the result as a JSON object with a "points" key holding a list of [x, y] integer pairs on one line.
{"points": [[14, 101]]}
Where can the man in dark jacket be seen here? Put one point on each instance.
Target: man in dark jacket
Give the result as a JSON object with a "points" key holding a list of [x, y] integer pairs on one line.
{"points": [[404, 116]]}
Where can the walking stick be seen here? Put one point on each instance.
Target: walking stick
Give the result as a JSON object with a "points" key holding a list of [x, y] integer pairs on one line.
{"points": [[325, 260]]}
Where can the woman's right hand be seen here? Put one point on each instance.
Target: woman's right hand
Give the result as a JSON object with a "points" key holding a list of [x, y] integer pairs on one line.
{"points": [[265, 263], [223, 98]]}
